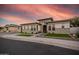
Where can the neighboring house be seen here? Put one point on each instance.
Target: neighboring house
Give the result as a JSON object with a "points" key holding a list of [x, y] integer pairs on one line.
{"points": [[11, 28], [1, 29], [48, 25]]}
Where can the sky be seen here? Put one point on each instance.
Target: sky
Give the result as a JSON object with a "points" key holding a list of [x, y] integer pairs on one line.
{"points": [[27, 13]]}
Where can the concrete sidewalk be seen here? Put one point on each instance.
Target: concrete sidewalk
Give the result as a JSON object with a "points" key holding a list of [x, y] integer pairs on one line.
{"points": [[57, 42]]}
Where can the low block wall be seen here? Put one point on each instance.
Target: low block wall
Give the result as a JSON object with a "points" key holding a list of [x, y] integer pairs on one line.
{"points": [[61, 31], [74, 30]]}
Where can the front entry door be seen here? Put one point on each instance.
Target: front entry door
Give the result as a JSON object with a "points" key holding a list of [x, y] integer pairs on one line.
{"points": [[45, 28]]}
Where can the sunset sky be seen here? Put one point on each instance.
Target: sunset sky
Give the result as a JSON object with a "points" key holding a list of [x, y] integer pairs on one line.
{"points": [[26, 13]]}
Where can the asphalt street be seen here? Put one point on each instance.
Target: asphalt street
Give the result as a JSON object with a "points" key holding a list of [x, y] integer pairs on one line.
{"points": [[14, 47]]}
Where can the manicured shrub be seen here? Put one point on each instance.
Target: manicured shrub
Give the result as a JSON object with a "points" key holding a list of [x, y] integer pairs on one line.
{"points": [[77, 34], [56, 35]]}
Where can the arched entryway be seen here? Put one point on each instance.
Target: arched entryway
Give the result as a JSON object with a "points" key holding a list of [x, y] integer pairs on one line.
{"points": [[45, 28]]}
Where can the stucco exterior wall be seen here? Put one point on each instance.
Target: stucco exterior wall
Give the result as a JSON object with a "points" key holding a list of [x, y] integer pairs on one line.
{"points": [[60, 31], [13, 29], [74, 30], [60, 24], [31, 28], [58, 27], [43, 22]]}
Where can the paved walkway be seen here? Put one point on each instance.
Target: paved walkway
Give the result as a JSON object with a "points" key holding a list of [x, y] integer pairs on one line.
{"points": [[57, 42]]}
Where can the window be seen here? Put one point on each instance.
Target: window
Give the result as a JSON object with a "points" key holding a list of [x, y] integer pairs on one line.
{"points": [[27, 27], [53, 28], [23, 27], [18, 27], [62, 26], [37, 27], [32, 28], [49, 27]]}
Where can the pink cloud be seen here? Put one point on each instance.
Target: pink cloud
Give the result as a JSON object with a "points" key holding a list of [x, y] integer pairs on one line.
{"points": [[42, 11], [45, 10]]}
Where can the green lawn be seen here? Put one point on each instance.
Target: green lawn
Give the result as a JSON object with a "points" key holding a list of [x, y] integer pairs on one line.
{"points": [[59, 36], [24, 34], [56, 35]]}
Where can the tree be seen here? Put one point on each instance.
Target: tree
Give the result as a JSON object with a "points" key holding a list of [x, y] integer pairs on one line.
{"points": [[75, 22], [1, 28]]}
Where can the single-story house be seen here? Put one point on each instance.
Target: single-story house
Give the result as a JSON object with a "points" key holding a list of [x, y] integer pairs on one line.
{"points": [[11, 28], [31, 27], [1, 29], [48, 25]]}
